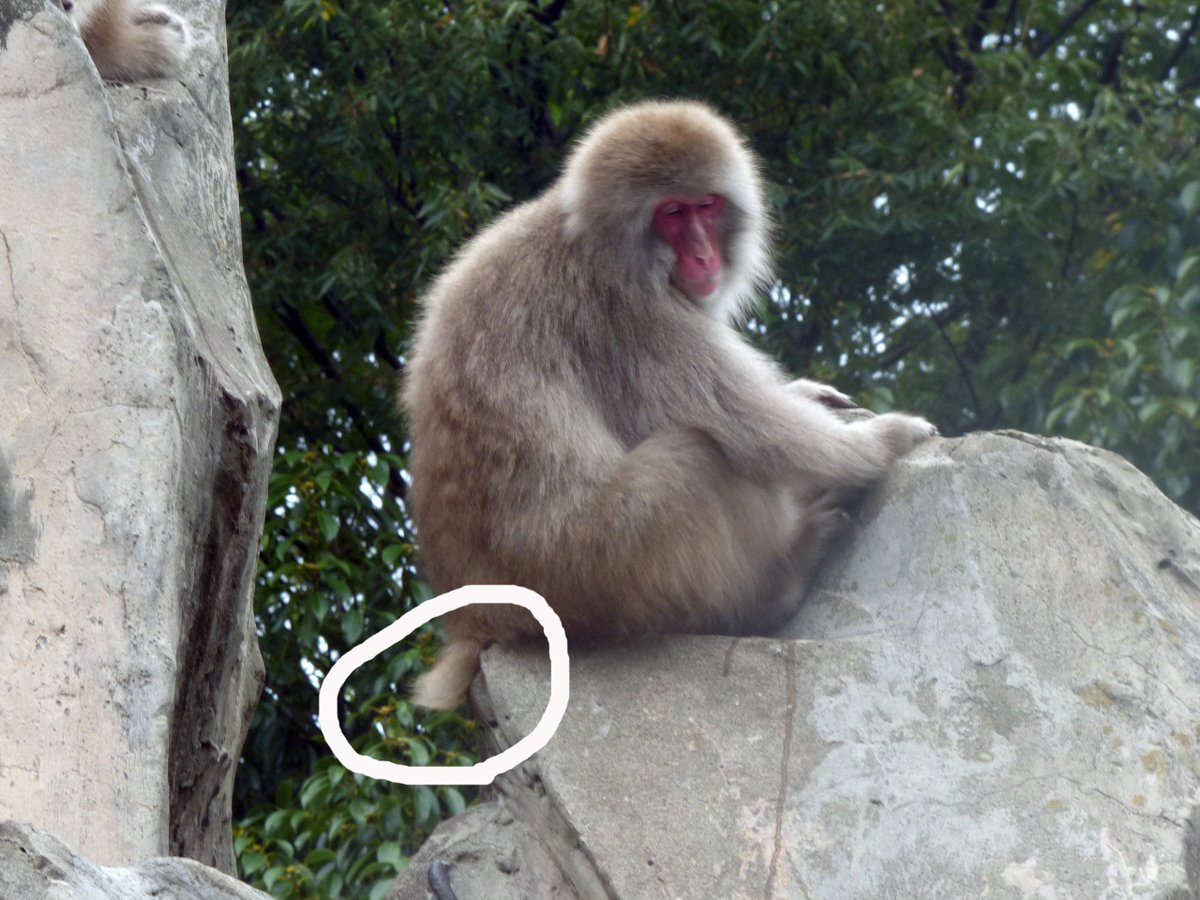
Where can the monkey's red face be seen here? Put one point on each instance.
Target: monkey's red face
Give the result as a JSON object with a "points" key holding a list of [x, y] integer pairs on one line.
{"points": [[689, 225]]}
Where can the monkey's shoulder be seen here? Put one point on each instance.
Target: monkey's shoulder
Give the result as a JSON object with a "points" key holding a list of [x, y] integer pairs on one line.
{"points": [[513, 261], [525, 232]]}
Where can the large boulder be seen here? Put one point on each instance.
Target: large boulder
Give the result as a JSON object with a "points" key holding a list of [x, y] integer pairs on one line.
{"points": [[137, 418], [37, 866], [991, 692]]}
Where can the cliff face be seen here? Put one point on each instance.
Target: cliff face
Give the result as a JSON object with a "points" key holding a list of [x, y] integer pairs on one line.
{"points": [[137, 421]]}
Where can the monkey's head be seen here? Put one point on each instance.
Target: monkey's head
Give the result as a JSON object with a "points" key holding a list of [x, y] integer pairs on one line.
{"points": [[674, 191]]}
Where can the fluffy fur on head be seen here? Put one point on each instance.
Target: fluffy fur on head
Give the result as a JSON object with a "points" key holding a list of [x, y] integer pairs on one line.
{"points": [[129, 39], [637, 155]]}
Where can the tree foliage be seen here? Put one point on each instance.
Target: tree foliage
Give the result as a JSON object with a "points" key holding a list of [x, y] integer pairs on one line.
{"points": [[986, 212]]}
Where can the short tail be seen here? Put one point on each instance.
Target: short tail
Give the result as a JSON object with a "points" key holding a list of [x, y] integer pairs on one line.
{"points": [[445, 685]]}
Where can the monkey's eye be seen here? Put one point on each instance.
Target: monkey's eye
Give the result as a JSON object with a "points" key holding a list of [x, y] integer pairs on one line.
{"points": [[673, 209], [710, 208]]}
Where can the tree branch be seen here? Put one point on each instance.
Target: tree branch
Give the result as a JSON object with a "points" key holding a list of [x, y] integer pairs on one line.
{"points": [[963, 371], [958, 63], [898, 349], [1184, 40], [294, 322], [1064, 28], [1110, 73], [978, 30], [384, 352]]}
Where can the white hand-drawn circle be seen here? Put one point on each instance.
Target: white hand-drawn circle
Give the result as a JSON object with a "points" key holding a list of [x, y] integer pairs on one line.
{"points": [[480, 773]]}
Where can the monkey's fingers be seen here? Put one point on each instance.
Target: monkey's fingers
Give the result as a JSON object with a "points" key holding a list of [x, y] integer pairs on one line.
{"points": [[836, 399], [822, 393]]}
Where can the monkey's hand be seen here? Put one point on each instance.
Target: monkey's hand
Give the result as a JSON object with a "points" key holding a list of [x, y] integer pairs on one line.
{"points": [[161, 27], [822, 393], [900, 432]]}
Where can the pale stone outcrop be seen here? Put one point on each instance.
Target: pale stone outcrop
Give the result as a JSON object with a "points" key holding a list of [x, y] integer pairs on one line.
{"points": [[137, 417], [993, 691], [35, 865]]}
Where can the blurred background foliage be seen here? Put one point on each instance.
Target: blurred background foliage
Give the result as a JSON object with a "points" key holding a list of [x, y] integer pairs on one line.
{"points": [[987, 213]]}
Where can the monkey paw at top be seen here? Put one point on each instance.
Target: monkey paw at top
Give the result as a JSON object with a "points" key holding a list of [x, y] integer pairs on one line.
{"points": [[130, 39]]}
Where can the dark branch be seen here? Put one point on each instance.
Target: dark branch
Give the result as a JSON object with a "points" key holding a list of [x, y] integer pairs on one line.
{"points": [[978, 30], [963, 371], [916, 335], [1184, 40], [549, 16], [1072, 19], [294, 322], [956, 61], [1010, 21], [384, 352], [1110, 71]]}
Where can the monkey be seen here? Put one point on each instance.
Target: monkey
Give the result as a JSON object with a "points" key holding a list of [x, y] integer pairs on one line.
{"points": [[587, 422], [129, 40]]}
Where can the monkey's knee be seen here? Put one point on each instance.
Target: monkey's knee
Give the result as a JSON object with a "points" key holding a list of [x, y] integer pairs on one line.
{"points": [[822, 523], [824, 519]]}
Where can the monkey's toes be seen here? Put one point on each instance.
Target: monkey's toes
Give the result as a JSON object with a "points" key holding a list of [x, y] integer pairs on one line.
{"points": [[902, 432], [158, 18]]}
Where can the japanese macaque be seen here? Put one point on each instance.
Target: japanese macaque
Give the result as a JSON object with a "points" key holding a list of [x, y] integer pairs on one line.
{"points": [[587, 423], [129, 39]]}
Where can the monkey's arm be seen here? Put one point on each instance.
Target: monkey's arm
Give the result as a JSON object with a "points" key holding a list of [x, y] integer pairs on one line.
{"points": [[769, 430]]}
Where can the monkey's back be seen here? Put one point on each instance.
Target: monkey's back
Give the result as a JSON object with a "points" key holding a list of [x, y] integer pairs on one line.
{"points": [[508, 446]]}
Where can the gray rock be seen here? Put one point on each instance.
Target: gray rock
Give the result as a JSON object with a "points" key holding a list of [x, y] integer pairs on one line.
{"points": [[137, 418], [37, 866], [490, 853], [994, 691]]}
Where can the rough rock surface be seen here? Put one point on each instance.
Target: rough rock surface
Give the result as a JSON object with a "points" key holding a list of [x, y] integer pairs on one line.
{"points": [[994, 691], [35, 865], [137, 416], [489, 853]]}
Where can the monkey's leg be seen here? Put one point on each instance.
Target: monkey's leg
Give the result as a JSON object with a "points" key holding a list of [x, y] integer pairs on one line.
{"points": [[678, 541], [445, 685], [824, 520]]}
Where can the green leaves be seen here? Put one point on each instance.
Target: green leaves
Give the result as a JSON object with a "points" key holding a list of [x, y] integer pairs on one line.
{"points": [[346, 835], [1189, 199], [1138, 390]]}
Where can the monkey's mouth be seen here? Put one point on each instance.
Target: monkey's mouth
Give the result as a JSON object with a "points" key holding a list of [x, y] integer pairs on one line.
{"points": [[700, 287]]}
